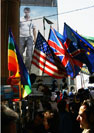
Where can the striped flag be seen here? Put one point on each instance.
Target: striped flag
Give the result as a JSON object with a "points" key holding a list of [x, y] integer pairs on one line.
{"points": [[45, 59], [17, 67]]}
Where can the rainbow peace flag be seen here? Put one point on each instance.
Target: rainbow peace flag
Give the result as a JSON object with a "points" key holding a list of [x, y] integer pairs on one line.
{"points": [[17, 67]]}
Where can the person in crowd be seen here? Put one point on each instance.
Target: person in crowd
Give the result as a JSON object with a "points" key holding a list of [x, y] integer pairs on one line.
{"points": [[65, 124], [27, 36], [8, 120], [64, 84], [40, 85], [36, 125], [86, 116], [73, 110], [54, 86], [51, 121]]}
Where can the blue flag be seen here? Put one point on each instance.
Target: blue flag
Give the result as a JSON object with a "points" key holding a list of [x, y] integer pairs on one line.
{"points": [[86, 50], [60, 47]]}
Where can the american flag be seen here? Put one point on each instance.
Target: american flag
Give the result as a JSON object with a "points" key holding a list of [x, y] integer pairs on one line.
{"points": [[60, 47], [44, 59]]}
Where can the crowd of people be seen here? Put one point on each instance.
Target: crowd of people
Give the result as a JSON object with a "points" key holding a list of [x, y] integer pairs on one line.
{"points": [[68, 112]]}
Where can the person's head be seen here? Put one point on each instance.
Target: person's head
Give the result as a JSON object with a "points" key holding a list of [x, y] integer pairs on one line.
{"points": [[48, 115], [54, 82], [86, 114], [38, 118], [61, 106], [64, 80], [27, 11], [72, 88]]}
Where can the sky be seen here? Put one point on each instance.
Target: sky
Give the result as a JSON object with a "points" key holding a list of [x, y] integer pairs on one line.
{"points": [[81, 21]]}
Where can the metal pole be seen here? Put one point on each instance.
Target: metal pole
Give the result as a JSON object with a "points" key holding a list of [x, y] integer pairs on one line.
{"points": [[44, 26]]}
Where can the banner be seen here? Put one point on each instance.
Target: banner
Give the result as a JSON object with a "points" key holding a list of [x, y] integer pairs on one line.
{"points": [[10, 93]]}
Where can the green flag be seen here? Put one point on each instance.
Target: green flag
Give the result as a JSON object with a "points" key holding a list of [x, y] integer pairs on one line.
{"points": [[89, 39]]}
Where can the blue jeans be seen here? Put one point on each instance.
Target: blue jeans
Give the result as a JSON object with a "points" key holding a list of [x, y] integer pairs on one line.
{"points": [[26, 42]]}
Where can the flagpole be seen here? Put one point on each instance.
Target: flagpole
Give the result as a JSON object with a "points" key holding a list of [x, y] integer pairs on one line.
{"points": [[44, 26], [49, 22], [75, 82], [81, 80], [9, 73], [69, 83]]}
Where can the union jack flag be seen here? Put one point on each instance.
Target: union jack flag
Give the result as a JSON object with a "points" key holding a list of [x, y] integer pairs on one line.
{"points": [[62, 49], [45, 59]]}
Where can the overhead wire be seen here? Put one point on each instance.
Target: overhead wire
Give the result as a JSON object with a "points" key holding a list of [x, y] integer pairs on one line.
{"points": [[79, 9], [71, 11]]}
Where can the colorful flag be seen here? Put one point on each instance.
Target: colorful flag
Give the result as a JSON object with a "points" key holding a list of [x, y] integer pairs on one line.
{"points": [[60, 48], [86, 50], [89, 39], [16, 65], [12, 58], [45, 59]]}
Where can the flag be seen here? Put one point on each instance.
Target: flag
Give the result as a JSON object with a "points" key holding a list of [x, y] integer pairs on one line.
{"points": [[60, 48], [44, 59], [89, 39], [48, 21], [12, 58], [86, 54], [16, 65]]}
